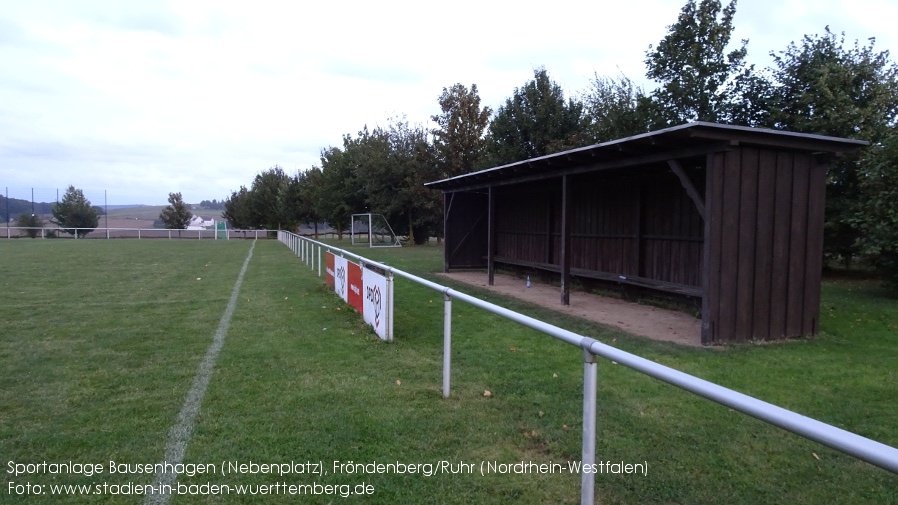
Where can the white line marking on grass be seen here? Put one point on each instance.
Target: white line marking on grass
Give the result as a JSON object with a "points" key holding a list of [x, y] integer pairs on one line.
{"points": [[180, 433]]}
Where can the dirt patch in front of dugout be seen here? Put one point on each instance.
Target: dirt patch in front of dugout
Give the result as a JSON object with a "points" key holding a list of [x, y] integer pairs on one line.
{"points": [[643, 320]]}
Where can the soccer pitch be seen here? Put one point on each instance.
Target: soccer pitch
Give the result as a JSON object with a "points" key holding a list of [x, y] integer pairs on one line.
{"points": [[102, 344]]}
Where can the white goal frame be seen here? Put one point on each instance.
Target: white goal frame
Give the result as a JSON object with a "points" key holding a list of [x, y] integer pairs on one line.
{"points": [[368, 219]]}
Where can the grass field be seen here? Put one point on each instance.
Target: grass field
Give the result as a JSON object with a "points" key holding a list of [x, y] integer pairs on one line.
{"points": [[101, 341]]}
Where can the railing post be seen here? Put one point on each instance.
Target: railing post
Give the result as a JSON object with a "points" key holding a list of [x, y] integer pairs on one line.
{"points": [[390, 283], [588, 478], [319, 261], [447, 342]]}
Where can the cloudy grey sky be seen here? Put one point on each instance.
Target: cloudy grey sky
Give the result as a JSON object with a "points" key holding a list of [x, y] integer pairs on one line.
{"points": [[144, 98]]}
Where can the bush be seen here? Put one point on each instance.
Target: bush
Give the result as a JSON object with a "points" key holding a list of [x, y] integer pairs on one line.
{"points": [[32, 222]]}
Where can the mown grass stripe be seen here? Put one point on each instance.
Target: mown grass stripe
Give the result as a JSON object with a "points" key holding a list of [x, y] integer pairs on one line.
{"points": [[179, 436]]}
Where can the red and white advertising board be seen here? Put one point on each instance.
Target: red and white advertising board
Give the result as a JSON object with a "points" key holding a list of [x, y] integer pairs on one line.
{"points": [[364, 289], [341, 278], [376, 302], [356, 289]]}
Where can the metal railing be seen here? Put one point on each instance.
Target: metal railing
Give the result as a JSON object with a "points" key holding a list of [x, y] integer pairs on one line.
{"points": [[871, 451], [138, 233]]}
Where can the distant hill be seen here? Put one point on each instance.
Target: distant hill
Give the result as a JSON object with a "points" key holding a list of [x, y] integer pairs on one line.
{"points": [[17, 207], [116, 207]]}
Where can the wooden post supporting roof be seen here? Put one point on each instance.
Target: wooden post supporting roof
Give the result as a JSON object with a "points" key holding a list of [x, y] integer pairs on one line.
{"points": [[565, 241], [491, 237]]}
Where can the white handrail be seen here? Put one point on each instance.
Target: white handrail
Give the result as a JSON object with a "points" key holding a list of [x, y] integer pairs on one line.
{"points": [[871, 451]]}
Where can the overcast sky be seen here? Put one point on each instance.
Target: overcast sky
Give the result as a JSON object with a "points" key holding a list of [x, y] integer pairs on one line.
{"points": [[144, 98]]}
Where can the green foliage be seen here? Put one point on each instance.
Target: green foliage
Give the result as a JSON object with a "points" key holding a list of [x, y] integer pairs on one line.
{"points": [[828, 89], [237, 210], [175, 216], [75, 211], [265, 209], [340, 187], [822, 87], [383, 171], [691, 64], [534, 122], [458, 141], [877, 218], [616, 108], [310, 196], [268, 204], [31, 221], [396, 188]]}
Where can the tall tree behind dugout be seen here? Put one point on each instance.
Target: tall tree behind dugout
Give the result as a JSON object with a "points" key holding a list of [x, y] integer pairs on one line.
{"points": [[74, 213], [697, 75], [175, 216], [458, 141], [616, 108], [824, 88], [534, 122]]}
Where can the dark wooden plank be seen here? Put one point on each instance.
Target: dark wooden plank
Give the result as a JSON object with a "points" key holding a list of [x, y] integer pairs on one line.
{"points": [[764, 244], [565, 241], [798, 245], [748, 230], [782, 219], [729, 237], [637, 224], [814, 262]]}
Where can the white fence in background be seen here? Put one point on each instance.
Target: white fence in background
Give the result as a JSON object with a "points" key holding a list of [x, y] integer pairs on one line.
{"points": [[137, 233], [871, 451]]}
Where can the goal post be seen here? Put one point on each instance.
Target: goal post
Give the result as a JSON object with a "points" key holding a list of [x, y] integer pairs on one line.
{"points": [[374, 230]]}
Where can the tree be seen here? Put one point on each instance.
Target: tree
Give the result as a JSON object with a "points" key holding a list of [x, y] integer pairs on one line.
{"points": [[74, 213], [877, 219], [826, 89], [237, 209], [534, 122], [616, 108], [340, 184], [175, 216], [265, 209], [31, 222], [397, 162], [459, 139], [310, 194], [696, 74]]}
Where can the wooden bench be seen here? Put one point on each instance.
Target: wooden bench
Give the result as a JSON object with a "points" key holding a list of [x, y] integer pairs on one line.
{"points": [[642, 282]]}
